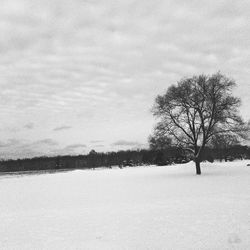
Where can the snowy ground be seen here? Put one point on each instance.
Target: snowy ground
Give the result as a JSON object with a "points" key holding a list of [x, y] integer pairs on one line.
{"points": [[132, 208]]}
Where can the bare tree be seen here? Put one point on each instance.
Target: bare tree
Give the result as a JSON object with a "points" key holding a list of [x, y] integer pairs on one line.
{"points": [[195, 110]]}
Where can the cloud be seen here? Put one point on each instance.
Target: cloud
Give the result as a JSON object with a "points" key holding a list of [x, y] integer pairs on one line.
{"points": [[9, 143], [126, 143], [29, 125], [62, 128], [47, 141], [11, 129], [96, 141], [120, 53], [100, 64], [72, 149], [75, 146], [14, 148]]}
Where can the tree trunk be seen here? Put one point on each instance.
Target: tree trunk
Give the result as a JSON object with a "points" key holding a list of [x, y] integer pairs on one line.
{"points": [[198, 167]]}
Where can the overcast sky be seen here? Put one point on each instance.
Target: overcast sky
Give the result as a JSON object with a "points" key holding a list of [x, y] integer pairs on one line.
{"points": [[77, 75]]}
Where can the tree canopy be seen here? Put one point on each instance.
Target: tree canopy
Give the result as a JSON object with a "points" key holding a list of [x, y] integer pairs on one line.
{"points": [[197, 109]]}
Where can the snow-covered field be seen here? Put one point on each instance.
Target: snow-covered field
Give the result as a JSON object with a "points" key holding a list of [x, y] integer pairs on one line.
{"points": [[132, 208]]}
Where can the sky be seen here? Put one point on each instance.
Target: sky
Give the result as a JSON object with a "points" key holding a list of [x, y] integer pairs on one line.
{"points": [[83, 74]]}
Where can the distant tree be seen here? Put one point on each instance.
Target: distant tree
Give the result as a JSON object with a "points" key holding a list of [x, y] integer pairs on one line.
{"points": [[159, 142], [197, 109], [92, 152], [93, 158], [223, 142]]}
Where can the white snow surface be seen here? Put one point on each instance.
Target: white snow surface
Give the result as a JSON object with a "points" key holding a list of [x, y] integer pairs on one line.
{"points": [[132, 208]]}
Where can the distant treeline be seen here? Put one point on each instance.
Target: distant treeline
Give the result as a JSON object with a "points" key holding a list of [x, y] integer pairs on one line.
{"points": [[121, 159]]}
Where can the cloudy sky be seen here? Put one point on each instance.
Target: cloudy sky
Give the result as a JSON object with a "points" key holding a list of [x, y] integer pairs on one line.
{"points": [[83, 74]]}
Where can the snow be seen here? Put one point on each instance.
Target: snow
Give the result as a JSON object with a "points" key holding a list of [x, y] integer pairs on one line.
{"points": [[132, 208]]}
